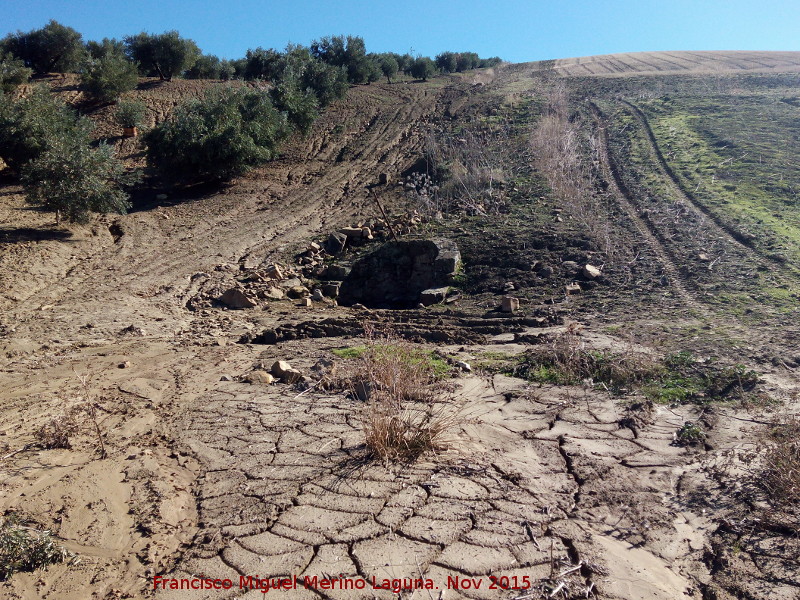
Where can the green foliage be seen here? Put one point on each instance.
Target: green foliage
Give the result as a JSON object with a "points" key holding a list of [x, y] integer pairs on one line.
{"points": [[389, 66], [466, 61], [423, 68], [29, 126], [130, 113], [350, 352], [26, 549], [301, 106], [73, 178], [13, 72], [690, 434], [447, 62], [349, 52], [108, 46], [166, 54], [109, 76], [217, 138], [54, 47], [207, 66]]}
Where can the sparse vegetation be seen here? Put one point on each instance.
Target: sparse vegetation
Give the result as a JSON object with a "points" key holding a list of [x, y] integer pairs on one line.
{"points": [[690, 434], [403, 416], [130, 113], [780, 472], [24, 548]]}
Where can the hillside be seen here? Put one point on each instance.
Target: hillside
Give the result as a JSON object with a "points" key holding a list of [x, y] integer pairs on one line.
{"points": [[608, 438]]}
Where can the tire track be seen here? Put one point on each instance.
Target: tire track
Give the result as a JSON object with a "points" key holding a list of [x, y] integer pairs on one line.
{"points": [[610, 173], [668, 175]]}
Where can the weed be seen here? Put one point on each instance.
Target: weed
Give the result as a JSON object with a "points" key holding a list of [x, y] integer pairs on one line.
{"points": [[26, 549], [57, 432], [351, 352], [565, 360], [780, 473], [689, 434], [402, 418]]}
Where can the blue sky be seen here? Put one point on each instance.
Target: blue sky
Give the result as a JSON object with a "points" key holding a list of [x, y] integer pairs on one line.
{"points": [[515, 30]]}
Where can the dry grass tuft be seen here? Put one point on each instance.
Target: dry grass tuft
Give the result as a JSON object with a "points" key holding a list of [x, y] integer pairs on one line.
{"points": [[403, 416], [566, 360], [780, 474]]}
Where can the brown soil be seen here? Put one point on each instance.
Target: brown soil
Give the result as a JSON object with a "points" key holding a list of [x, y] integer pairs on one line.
{"points": [[206, 476]]}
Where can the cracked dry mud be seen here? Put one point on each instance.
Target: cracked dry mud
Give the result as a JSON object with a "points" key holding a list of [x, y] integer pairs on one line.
{"points": [[536, 481]]}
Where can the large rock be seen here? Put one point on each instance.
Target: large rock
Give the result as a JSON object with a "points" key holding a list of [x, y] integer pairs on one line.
{"points": [[236, 298], [336, 243], [396, 274]]}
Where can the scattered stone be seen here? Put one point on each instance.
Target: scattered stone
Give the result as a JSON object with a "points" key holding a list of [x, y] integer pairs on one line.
{"points": [[545, 271], [236, 298], [314, 247], [317, 295], [353, 234], [284, 371], [297, 291], [274, 293], [132, 330], [509, 304], [509, 286], [226, 378], [124, 365], [573, 288], [336, 243], [273, 272], [464, 366], [433, 296], [261, 377], [703, 257], [591, 272], [331, 290], [305, 302], [383, 178], [161, 197], [570, 266]]}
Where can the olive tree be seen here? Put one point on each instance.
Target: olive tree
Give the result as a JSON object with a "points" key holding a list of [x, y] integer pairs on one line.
{"points": [[216, 138], [165, 55], [54, 47]]}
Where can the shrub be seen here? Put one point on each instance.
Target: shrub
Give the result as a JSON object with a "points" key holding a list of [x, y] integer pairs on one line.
{"points": [[29, 126], [423, 68], [108, 77], [54, 47], [13, 72], [26, 549], [300, 106], [217, 138], [72, 178], [207, 66], [165, 55], [402, 419], [130, 113], [780, 473]]}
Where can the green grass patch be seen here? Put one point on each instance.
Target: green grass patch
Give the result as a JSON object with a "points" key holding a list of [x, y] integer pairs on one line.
{"points": [[416, 357]]}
